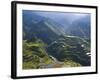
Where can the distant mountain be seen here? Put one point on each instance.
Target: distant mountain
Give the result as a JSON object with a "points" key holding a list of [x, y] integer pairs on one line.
{"points": [[47, 41], [66, 20], [41, 27], [80, 28], [36, 24]]}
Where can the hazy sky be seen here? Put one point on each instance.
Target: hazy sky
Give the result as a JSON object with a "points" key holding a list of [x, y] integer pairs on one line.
{"points": [[62, 16]]}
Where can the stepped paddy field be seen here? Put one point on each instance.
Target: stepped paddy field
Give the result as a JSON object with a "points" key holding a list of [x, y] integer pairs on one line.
{"points": [[56, 40]]}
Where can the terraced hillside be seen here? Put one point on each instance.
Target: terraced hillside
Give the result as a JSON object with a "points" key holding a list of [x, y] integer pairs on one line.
{"points": [[49, 44]]}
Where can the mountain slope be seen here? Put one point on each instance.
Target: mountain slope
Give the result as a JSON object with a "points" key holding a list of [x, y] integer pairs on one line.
{"points": [[80, 28], [34, 54], [41, 27], [70, 48], [47, 44]]}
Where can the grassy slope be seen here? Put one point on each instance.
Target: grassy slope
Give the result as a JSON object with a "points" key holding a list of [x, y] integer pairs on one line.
{"points": [[34, 54]]}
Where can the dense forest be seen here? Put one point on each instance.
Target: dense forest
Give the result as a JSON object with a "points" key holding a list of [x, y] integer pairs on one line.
{"points": [[47, 43]]}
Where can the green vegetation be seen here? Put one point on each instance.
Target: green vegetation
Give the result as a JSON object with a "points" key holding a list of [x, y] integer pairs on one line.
{"points": [[71, 49], [68, 52], [70, 63], [51, 44], [34, 54]]}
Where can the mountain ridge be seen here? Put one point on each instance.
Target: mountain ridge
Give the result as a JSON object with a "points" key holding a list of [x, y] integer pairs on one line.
{"points": [[44, 37]]}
